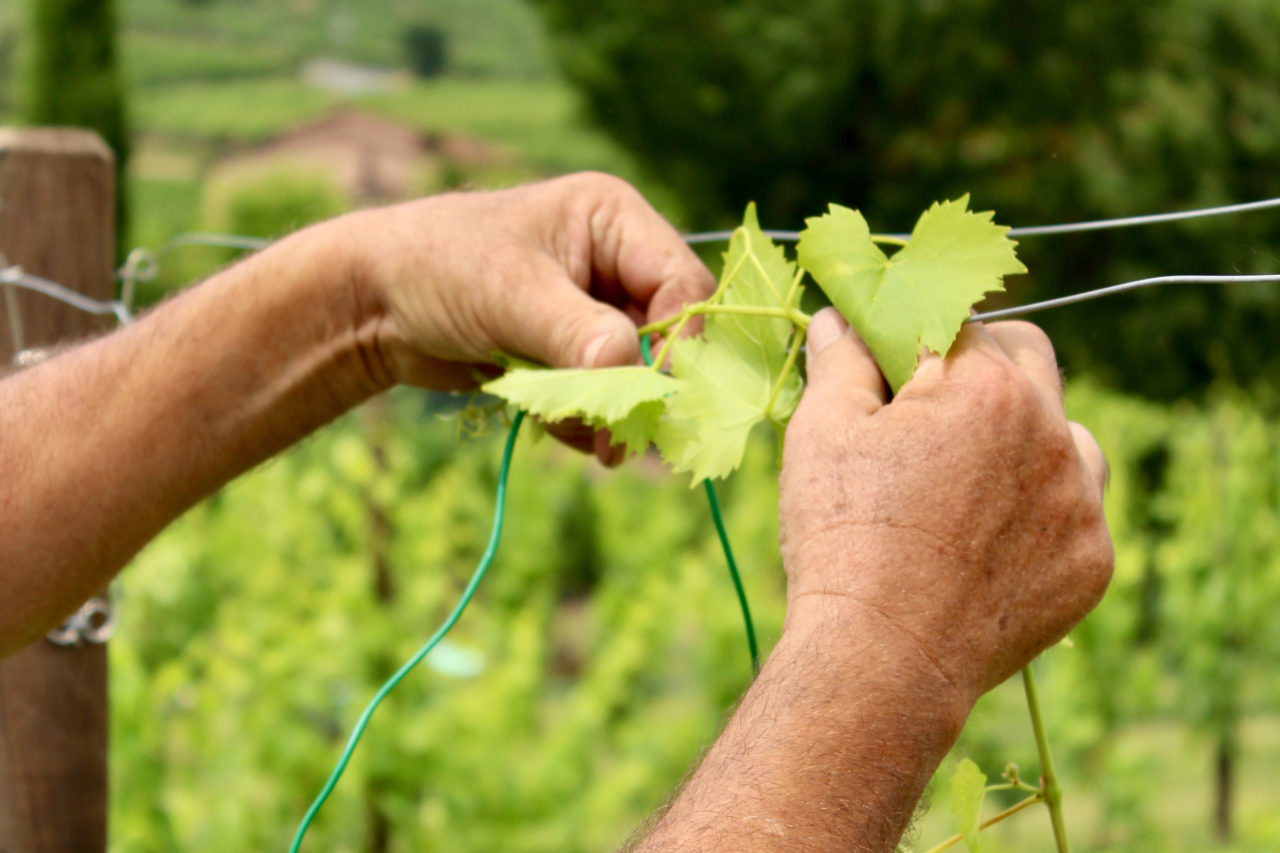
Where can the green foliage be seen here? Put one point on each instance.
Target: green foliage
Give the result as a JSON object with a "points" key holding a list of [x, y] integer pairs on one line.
{"points": [[738, 373], [920, 296], [968, 787], [1046, 111], [151, 58], [275, 204], [488, 38], [425, 47], [253, 634], [628, 400], [75, 77]]}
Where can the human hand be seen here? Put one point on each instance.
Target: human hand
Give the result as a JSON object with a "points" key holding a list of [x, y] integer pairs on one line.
{"points": [[961, 523], [560, 272]]}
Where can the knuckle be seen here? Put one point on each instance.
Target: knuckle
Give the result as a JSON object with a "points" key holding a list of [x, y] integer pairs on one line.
{"points": [[1030, 335], [602, 182]]}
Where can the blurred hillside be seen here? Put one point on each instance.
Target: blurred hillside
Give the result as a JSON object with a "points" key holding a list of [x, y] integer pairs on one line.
{"points": [[210, 80]]}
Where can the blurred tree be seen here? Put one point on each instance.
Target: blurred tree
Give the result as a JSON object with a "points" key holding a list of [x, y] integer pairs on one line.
{"points": [[75, 77], [1045, 111], [276, 203], [8, 52], [1222, 573], [425, 47]]}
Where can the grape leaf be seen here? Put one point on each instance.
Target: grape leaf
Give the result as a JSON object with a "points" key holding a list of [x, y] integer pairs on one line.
{"points": [[921, 295], [968, 787], [736, 374], [757, 274], [627, 400], [635, 432]]}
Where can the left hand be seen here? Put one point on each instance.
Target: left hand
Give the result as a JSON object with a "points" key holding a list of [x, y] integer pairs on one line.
{"points": [[559, 272]]}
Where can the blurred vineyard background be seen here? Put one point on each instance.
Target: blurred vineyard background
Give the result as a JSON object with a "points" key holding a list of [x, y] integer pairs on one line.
{"points": [[605, 647]]}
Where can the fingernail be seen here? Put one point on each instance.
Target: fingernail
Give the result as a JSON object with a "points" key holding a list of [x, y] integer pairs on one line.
{"points": [[592, 353], [825, 329]]}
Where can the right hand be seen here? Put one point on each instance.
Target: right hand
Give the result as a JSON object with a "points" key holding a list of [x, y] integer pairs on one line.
{"points": [[961, 522]]}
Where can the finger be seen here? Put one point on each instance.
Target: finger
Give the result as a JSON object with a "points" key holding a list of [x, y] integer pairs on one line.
{"points": [[1030, 348], [972, 338], [637, 252], [571, 432], [609, 454], [838, 361], [1094, 459], [970, 353], [549, 319]]}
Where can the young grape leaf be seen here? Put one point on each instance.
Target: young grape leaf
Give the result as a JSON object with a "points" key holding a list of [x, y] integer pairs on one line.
{"points": [[737, 373], [968, 787], [627, 400], [921, 295], [757, 274], [635, 432]]}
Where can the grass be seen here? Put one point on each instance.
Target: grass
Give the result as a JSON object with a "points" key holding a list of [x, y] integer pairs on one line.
{"points": [[184, 127], [485, 38]]}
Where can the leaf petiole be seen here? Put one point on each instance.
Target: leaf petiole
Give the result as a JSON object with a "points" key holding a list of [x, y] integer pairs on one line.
{"points": [[797, 317], [1014, 786], [787, 367], [1004, 815], [685, 317], [793, 289]]}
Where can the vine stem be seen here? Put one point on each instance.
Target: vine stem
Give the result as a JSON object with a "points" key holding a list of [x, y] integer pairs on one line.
{"points": [[684, 319], [990, 822], [1051, 790], [660, 326]]}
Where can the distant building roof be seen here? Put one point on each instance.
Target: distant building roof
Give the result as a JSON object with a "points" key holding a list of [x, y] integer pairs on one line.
{"points": [[369, 158], [347, 78]]}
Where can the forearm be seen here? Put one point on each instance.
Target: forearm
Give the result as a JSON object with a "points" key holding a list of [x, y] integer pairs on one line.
{"points": [[104, 445], [829, 750]]}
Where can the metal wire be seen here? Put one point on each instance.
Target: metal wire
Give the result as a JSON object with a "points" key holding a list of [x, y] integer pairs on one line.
{"points": [[205, 238], [1147, 219], [16, 276], [1040, 230], [1085, 296]]}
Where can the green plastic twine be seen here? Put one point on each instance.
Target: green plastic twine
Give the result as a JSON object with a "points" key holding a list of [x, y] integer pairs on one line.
{"points": [[714, 503], [483, 567]]}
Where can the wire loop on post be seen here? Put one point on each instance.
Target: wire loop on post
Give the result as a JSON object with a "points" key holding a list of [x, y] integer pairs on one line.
{"points": [[140, 265], [15, 275]]}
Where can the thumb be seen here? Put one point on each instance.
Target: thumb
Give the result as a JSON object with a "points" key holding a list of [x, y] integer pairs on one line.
{"points": [[565, 327], [838, 361]]}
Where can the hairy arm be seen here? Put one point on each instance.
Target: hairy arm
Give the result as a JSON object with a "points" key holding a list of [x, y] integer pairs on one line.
{"points": [[104, 445], [812, 761]]}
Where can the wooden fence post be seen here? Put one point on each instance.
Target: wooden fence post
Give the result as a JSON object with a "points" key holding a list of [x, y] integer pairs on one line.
{"points": [[57, 191]]}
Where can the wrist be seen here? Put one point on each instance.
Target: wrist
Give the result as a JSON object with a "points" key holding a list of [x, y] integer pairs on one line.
{"points": [[358, 310], [852, 636]]}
